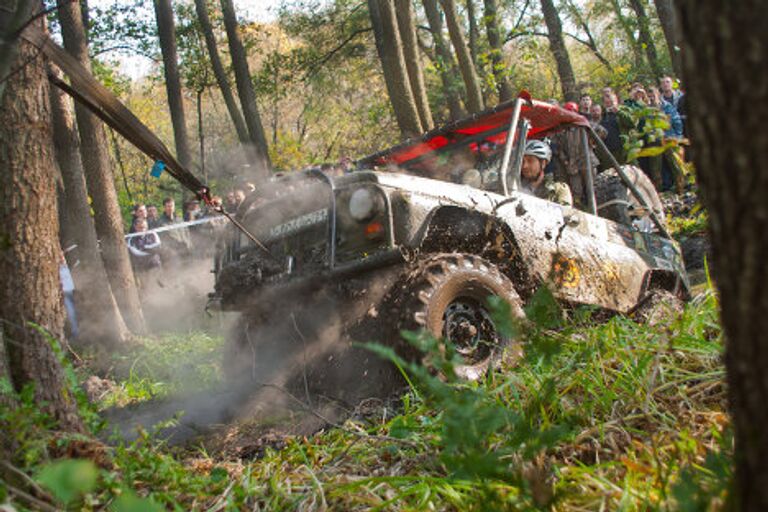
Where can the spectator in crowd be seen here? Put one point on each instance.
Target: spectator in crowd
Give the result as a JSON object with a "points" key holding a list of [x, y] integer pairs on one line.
{"points": [[152, 217], [610, 122], [595, 113], [669, 93], [638, 98], [669, 170], [68, 287], [177, 240], [139, 212], [192, 210], [585, 105], [239, 198], [144, 248], [346, 165], [169, 212], [230, 202], [610, 98], [656, 100]]}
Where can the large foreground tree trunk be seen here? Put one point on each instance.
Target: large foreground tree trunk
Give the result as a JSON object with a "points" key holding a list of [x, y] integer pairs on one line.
{"points": [[559, 51], [668, 18], [474, 100], [390, 50], [166, 30], [445, 63], [407, 29], [101, 182], [496, 43], [30, 292], [15, 14], [219, 73], [724, 70], [99, 318], [246, 91]]}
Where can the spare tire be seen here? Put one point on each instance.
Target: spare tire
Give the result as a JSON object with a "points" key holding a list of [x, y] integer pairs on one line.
{"points": [[615, 201], [447, 295]]}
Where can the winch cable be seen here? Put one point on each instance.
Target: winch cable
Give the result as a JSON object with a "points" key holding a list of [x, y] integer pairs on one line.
{"points": [[83, 87]]}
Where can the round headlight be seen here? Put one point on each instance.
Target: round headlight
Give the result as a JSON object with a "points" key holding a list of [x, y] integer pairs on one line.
{"points": [[362, 205]]}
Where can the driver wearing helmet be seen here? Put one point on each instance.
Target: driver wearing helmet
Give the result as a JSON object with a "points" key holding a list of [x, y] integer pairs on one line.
{"points": [[535, 158]]}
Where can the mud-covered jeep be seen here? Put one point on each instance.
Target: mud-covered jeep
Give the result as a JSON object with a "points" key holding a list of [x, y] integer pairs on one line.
{"points": [[420, 235]]}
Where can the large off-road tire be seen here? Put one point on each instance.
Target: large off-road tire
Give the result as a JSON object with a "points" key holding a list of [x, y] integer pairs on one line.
{"points": [[447, 294], [615, 201]]}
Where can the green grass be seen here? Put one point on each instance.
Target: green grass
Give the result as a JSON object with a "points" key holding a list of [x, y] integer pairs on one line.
{"points": [[616, 416], [164, 365]]}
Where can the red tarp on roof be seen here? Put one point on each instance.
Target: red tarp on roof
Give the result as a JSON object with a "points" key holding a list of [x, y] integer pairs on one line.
{"points": [[544, 117]]}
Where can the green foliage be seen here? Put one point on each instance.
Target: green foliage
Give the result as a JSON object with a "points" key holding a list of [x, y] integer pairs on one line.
{"points": [[24, 425], [644, 133], [129, 502], [165, 365], [68, 479], [691, 225]]}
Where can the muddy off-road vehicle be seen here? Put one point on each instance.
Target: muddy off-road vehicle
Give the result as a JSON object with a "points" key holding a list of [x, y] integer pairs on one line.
{"points": [[419, 236]]}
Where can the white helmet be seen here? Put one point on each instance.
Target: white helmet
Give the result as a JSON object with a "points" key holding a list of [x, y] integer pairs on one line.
{"points": [[539, 149]]}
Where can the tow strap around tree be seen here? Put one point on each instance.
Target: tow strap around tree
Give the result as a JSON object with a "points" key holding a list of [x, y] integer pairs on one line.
{"points": [[84, 88]]}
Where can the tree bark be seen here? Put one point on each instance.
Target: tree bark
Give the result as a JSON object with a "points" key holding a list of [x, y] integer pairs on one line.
{"points": [[637, 50], [445, 65], [390, 50], [246, 92], [474, 100], [473, 32], [15, 15], [646, 40], [559, 51], [723, 61], [30, 290], [101, 183], [99, 318], [407, 29], [219, 73], [496, 44], [166, 30], [667, 16]]}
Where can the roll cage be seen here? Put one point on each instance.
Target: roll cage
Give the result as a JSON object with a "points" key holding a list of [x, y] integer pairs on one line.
{"points": [[525, 119]]}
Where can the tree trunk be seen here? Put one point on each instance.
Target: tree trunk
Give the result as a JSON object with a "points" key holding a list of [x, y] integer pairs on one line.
{"points": [[390, 50], [559, 51], [101, 183], [637, 50], [491, 18], [723, 61], [15, 15], [219, 73], [407, 29], [201, 135], [473, 32], [99, 319], [246, 92], [666, 11], [646, 40], [30, 289], [445, 65], [471, 82], [166, 30]]}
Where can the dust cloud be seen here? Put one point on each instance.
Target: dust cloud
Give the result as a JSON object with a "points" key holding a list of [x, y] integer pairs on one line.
{"points": [[290, 355]]}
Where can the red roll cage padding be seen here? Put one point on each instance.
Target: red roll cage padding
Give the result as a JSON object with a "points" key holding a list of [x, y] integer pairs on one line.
{"points": [[545, 119]]}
